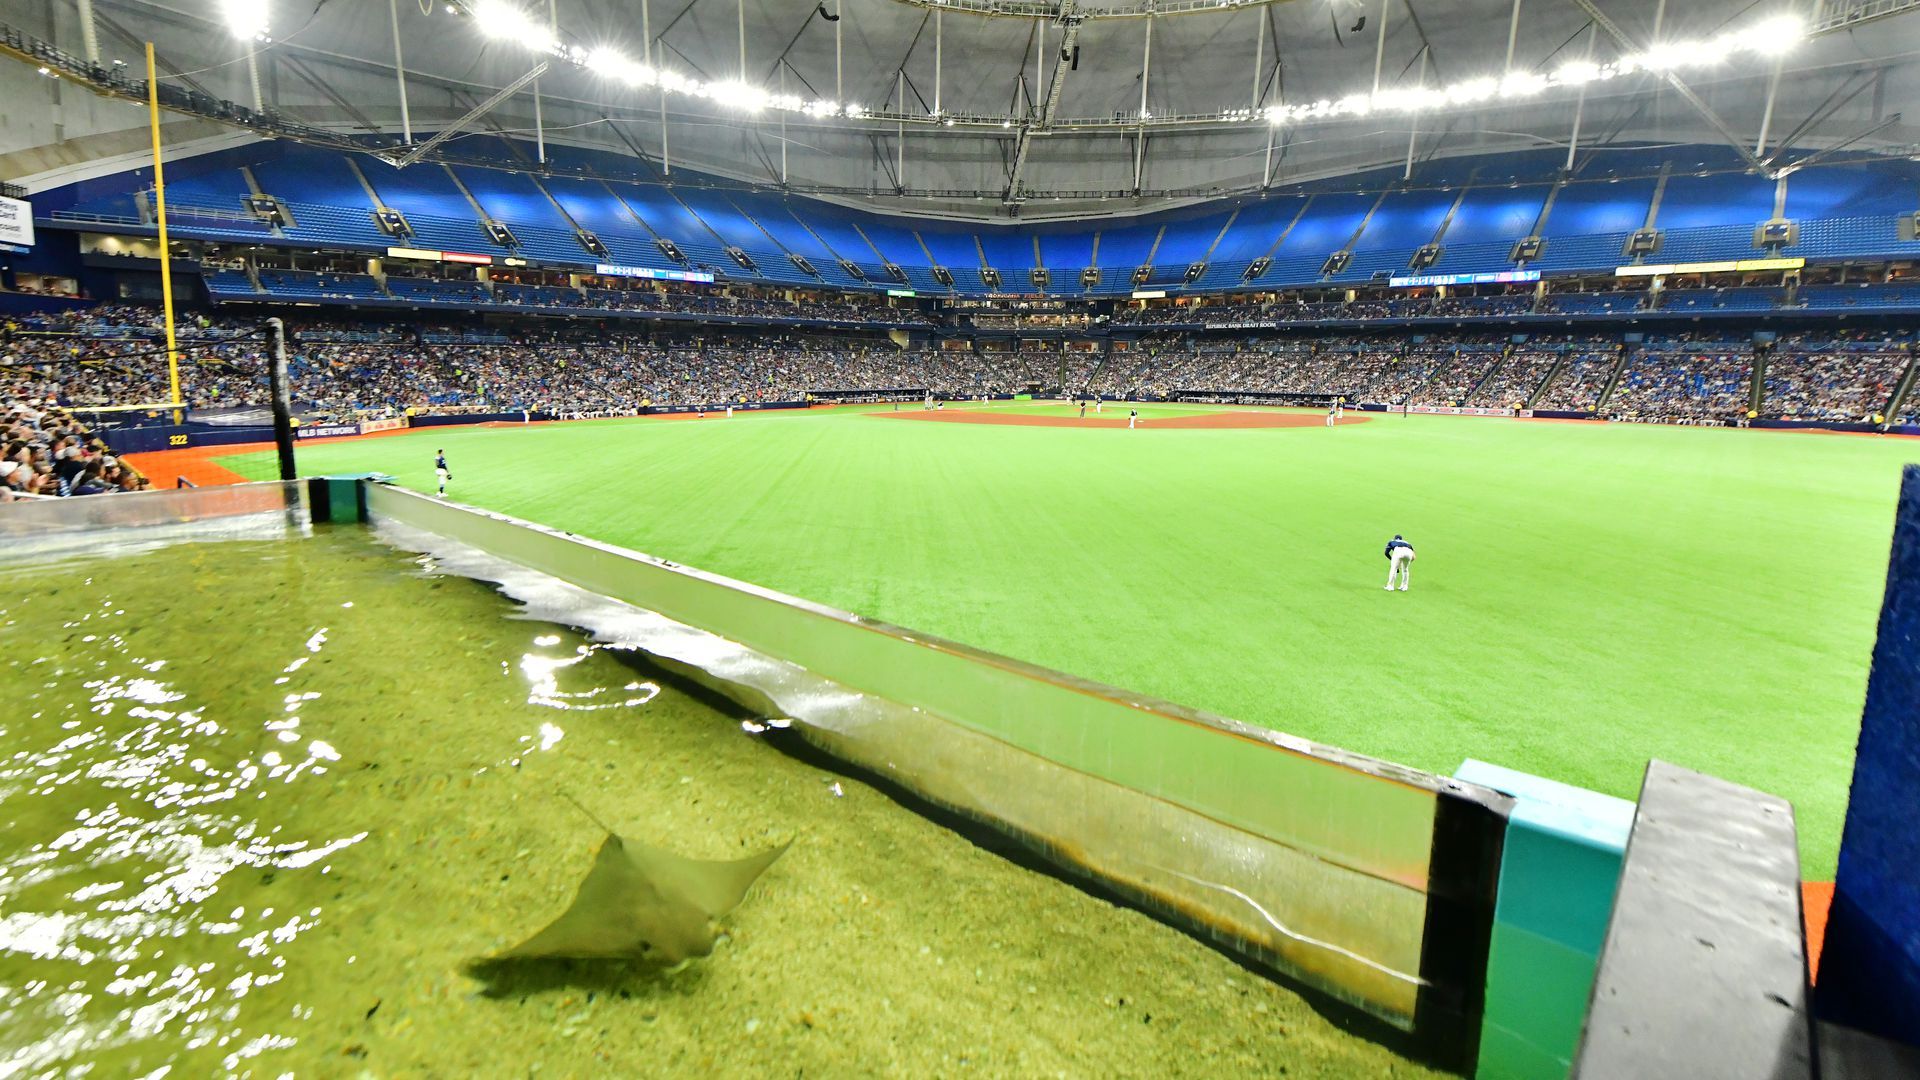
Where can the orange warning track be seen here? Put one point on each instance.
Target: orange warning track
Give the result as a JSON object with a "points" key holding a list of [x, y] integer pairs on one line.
{"points": [[1816, 898], [1213, 420]]}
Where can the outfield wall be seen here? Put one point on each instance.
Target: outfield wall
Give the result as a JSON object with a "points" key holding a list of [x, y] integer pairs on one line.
{"points": [[1371, 882]]}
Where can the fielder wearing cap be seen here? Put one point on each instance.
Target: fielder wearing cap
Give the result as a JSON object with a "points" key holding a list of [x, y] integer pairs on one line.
{"points": [[1399, 562]]}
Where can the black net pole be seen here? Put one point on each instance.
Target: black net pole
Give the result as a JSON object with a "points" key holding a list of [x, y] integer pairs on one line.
{"points": [[282, 396]]}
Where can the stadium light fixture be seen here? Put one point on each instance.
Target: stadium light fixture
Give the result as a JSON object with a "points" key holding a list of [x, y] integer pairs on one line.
{"points": [[500, 19], [614, 64], [245, 19], [1769, 37], [504, 19]]}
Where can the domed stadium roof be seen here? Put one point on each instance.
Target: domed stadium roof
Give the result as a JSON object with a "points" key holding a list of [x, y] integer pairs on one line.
{"points": [[1051, 107]]}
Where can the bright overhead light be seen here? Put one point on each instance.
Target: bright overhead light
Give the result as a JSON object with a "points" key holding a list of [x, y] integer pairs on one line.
{"points": [[614, 64], [245, 19], [1769, 37], [500, 19], [735, 94]]}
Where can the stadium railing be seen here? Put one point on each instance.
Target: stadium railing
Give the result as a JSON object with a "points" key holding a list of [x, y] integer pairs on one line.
{"points": [[1367, 881]]}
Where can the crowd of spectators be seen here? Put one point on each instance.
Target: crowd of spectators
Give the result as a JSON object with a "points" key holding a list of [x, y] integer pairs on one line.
{"points": [[112, 355], [1830, 379], [1293, 309], [1515, 378], [45, 452], [1685, 381], [1457, 374], [332, 380], [747, 306], [1582, 377]]}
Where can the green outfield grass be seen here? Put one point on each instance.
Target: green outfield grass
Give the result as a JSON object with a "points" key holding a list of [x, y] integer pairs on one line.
{"points": [[1586, 596]]}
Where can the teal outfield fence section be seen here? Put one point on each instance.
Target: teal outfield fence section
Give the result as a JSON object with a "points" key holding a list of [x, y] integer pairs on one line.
{"points": [[1558, 871], [1371, 882]]}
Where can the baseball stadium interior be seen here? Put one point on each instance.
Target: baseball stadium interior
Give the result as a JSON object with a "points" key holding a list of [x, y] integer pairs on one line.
{"points": [[750, 537]]}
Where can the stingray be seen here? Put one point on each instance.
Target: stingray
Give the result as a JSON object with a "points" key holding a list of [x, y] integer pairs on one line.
{"points": [[641, 903]]}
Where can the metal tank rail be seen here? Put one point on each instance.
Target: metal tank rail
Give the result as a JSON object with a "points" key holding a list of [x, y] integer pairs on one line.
{"points": [[1364, 880]]}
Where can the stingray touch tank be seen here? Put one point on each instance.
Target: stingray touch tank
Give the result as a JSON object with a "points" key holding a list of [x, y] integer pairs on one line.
{"points": [[310, 806]]}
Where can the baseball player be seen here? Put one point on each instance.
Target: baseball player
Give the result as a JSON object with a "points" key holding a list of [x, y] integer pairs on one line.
{"points": [[1399, 562]]}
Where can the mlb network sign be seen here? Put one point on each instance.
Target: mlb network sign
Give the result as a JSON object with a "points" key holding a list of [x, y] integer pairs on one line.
{"points": [[16, 222]]}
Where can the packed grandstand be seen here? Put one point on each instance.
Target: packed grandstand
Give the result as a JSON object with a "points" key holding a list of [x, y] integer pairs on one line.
{"points": [[348, 370]]}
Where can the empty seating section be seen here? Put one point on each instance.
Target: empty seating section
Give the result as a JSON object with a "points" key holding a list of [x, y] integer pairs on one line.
{"points": [[300, 285], [666, 216], [1009, 251], [535, 295], [1853, 191], [224, 187], [771, 214], [1329, 222], [838, 233], [733, 228], [1707, 243], [955, 251], [1065, 254], [1254, 231], [1597, 303], [1589, 217], [1578, 252], [1487, 257], [513, 198], [1741, 299], [1186, 242], [228, 283], [1378, 262], [596, 208], [218, 224], [304, 174], [1855, 236], [1692, 202], [896, 243], [1843, 297], [1405, 221], [1494, 215], [435, 291], [1474, 207], [1126, 247], [440, 215]]}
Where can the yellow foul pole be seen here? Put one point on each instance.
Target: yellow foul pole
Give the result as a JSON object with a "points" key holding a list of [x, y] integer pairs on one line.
{"points": [[166, 252]]}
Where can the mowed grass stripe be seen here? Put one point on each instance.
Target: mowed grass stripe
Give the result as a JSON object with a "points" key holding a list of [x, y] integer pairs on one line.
{"points": [[1586, 597]]}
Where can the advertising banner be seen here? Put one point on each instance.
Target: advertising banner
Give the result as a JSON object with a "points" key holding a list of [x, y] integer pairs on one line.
{"points": [[16, 222], [327, 431]]}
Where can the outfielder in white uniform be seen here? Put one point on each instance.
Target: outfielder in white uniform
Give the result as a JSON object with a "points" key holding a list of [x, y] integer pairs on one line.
{"points": [[1399, 563]]}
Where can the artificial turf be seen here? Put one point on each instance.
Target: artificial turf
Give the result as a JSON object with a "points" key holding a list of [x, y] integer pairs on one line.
{"points": [[1586, 596]]}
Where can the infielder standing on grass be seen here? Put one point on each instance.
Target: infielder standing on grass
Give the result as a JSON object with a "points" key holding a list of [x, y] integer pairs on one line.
{"points": [[1399, 562], [440, 469]]}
